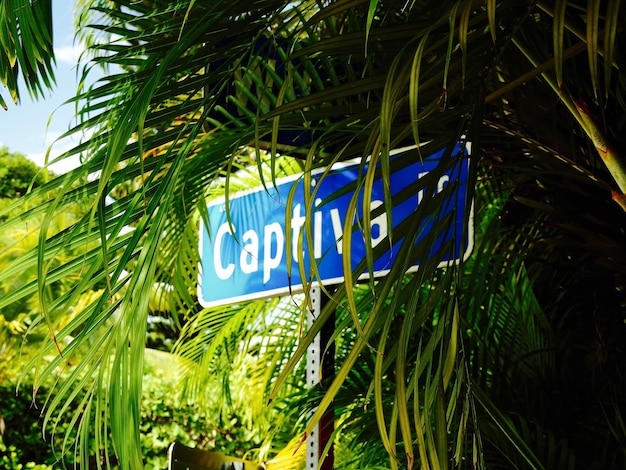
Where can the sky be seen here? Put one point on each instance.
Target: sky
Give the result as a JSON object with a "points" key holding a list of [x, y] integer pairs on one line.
{"points": [[32, 126]]}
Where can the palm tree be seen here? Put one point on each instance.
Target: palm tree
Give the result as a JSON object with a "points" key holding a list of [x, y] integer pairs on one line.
{"points": [[509, 358]]}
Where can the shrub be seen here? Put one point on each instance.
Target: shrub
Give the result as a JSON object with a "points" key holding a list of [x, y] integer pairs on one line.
{"points": [[164, 420], [22, 444]]}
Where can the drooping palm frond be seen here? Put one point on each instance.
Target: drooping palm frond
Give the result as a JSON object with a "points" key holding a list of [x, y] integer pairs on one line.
{"points": [[26, 47], [526, 339], [199, 82]]}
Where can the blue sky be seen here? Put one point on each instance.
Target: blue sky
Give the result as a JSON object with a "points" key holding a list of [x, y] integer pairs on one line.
{"points": [[24, 127]]}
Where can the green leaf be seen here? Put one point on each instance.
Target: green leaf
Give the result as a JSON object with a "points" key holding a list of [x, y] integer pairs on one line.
{"points": [[593, 33], [558, 32]]}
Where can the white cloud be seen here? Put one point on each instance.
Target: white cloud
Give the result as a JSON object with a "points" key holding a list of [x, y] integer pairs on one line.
{"points": [[69, 54], [58, 148]]}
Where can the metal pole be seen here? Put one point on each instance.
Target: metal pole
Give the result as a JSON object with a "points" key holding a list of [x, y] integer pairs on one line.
{"points": [[321, 370]]}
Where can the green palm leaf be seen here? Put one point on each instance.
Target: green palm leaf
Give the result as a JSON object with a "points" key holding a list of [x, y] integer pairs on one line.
{"points": [[26, 47]]}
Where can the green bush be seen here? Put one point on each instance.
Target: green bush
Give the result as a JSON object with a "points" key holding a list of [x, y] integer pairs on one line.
{"points": [[9, 459], [22, 444], [164, 420]]}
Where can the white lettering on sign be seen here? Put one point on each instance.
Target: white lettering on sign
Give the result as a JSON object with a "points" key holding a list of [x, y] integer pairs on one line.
{"points": [[249, 258], [297, 221], [317, 232], [380, 222], [272, 262], [441, 184], [273, 238], [221, 271], [337, 228]]}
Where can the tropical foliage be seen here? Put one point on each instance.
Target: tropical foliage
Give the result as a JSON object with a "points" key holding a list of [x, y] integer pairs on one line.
{"points": [[509, 358], [163, 419], [221, 423], [26, 47], [17, 175]]}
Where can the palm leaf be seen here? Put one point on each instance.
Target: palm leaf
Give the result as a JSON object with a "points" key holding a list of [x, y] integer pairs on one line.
{"points": [[26, 47]]}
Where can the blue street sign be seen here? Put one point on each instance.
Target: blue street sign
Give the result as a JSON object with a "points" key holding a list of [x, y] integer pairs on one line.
{"points": [[245, 257]]}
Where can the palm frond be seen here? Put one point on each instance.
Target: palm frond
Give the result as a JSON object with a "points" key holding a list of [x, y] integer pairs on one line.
{"points": [[26, 48]]}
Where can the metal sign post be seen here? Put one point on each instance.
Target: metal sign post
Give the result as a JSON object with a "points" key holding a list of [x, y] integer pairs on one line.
{"points": [[321, 370]]}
